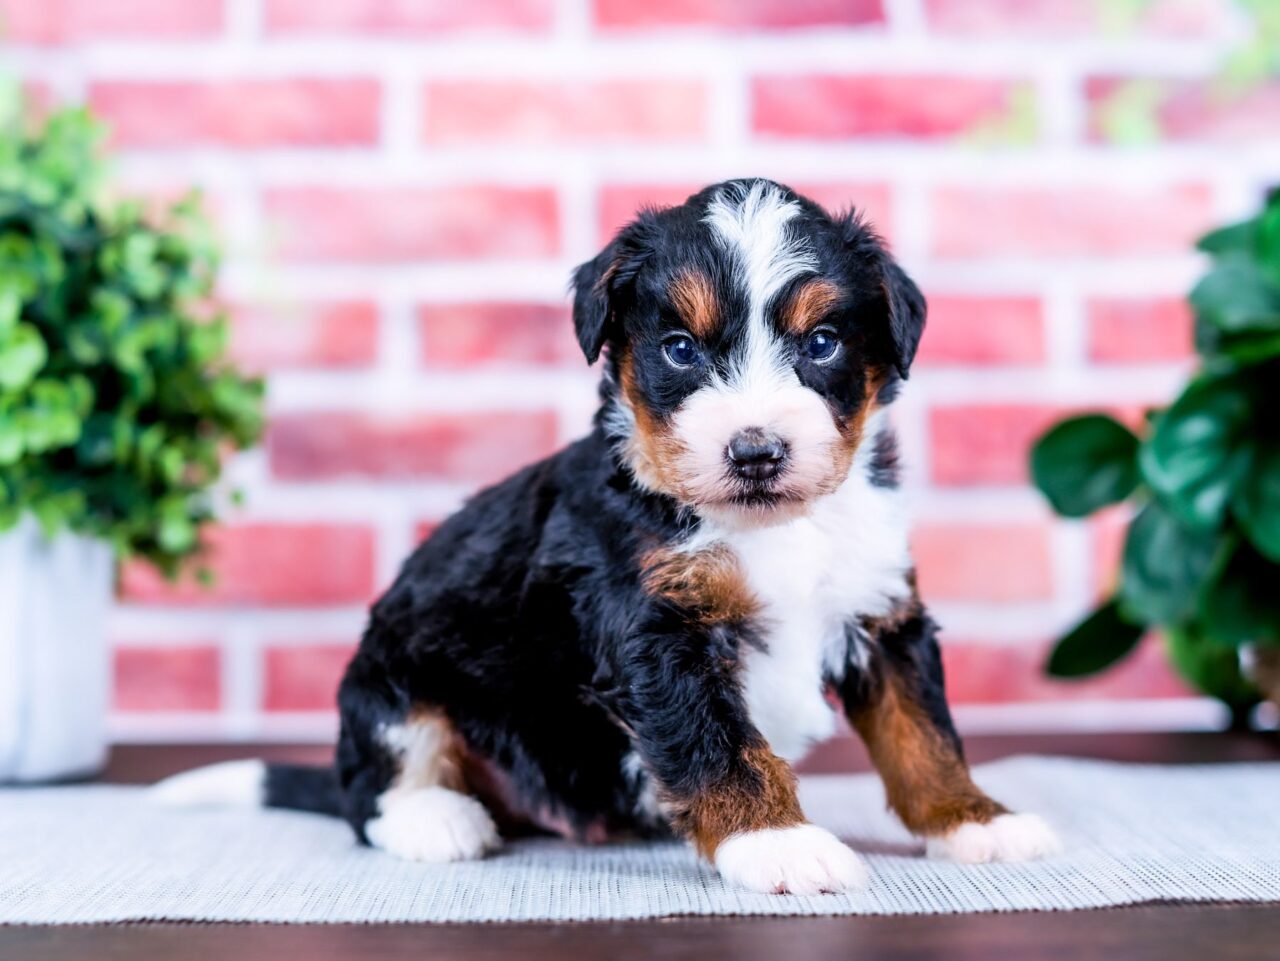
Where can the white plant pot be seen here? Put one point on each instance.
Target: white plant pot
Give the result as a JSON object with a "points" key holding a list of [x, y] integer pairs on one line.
{"points": [[54, 662]]}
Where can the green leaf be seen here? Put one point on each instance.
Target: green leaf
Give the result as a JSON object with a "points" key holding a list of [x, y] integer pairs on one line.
{"points": [[1085, 463], [49, 420], [1195, 456], [81, 394], [1236, 296], [177, 533], [22, 355], [1248, 348], [1211, 667], [87, 344], [1257, 502], [1233, 239], [10, 307], [171, 463], [1240, 602], [1163, 565], [96, 447], [55, 510], [1267, 242], [11, 441], [1097, 642]]}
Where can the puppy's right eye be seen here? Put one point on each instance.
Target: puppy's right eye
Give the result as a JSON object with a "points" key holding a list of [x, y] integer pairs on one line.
{"points": [[681, 351]]}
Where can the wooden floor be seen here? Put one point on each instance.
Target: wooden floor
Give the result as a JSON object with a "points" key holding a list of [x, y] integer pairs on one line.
{"points": [[1157, 932]]}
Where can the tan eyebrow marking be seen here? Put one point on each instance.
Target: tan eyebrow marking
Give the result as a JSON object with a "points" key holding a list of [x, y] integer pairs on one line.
{"points": [[695, 301], [809, 305]]}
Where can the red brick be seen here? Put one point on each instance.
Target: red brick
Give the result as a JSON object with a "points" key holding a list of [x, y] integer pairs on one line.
{"points": [[618, 203], [460, 336], [318, 334], [1056, 18], [1139, 330], [983, 331], [401, 18], [304, 678], [873, 200], [1069, 220], [388, 224], [485, 111], [166, 678], [995, 563], [985, 443], [270, 565], [973, 444], [71, 21], [737, 14], [980, 673], [1188, 110], [239, 113], [829, 107], [462, 447]]}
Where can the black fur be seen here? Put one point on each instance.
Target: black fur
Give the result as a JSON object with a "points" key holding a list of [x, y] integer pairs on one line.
{"points": [[886, 467], [909, 651], [302, 788]]}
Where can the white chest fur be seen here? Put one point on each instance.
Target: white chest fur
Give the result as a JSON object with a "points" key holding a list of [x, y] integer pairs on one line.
{"points": [[847, 558]]}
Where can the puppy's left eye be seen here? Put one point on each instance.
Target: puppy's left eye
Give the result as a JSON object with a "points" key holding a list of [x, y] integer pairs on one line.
{"points": [[681, 351], [821, 345]]}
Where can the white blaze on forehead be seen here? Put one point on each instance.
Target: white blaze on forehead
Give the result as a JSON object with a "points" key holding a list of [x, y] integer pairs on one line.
{"points": [[751, 222]]}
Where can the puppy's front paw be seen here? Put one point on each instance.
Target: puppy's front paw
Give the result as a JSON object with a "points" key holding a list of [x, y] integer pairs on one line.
{"points": [[432, 824], [804, 859], [1009, 837]]}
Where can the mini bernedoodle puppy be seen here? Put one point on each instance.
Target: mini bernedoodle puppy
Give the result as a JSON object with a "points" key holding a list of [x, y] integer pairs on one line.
{"points": [[639, 634]]}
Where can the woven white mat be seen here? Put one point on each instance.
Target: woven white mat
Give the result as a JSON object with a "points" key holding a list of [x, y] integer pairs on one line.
{"points": [[1133, 833]]}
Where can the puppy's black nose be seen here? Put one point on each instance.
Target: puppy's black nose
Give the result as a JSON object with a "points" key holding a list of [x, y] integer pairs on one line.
{"points": [[756, 454]]}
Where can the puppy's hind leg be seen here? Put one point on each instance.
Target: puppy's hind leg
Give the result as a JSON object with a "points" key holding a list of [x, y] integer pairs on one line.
{"points": [[403, 783]]}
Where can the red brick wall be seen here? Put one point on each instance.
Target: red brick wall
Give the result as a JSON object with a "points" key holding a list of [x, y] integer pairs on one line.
{"points": [[404, 187]]}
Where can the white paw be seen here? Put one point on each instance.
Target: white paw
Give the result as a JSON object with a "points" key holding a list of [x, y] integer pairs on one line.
{"points": [[432, 824], [1009, 837], [804, 859]]}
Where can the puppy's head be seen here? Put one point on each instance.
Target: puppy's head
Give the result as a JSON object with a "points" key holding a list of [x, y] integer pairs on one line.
{"points": [[748, 337]]}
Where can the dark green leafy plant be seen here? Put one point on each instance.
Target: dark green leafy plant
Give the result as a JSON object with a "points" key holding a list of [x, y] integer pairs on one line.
{"points": [[1202, 552], [116, 402]]}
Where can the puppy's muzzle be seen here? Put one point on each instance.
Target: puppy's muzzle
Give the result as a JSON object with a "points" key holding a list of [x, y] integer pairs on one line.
{"points": [[756, 455]]}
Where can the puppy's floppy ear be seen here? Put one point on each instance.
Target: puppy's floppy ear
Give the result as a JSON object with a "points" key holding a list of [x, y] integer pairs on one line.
{"points": [[601, 281], [906, 313], [591, 306], [902, 298]]}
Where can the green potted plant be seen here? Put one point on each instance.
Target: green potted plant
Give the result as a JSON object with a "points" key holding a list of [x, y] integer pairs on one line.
{"points": [[1201, 558], [116, 407]]}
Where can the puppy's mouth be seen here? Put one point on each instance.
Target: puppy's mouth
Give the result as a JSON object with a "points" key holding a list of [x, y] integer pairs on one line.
{"points": [[755, 504], [760, 494]]}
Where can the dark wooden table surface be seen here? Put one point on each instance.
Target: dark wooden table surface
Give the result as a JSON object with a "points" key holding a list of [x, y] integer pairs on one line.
{"points": [[1156, 932]]}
